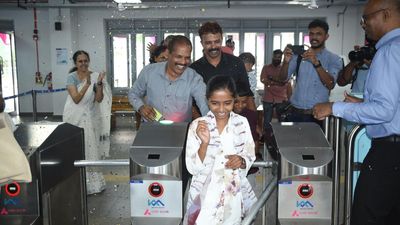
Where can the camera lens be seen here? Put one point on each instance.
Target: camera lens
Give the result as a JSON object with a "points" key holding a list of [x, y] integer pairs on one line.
{"points": [[365, 52], [368, 52], [356, 56]]}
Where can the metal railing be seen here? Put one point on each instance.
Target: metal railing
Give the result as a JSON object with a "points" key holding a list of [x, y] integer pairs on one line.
{"points": [[348, 190], [250, 217], [334, 131], [125, 162]]}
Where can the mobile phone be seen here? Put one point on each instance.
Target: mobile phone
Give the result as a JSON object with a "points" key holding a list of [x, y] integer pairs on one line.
{"points": [[297, 49]]}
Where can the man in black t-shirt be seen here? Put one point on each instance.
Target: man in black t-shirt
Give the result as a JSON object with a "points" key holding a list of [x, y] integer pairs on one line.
{"points": [[215, 62]]}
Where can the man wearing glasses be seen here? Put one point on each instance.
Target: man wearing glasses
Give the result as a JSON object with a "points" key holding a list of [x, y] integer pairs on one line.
{"points": [[377, 194]]}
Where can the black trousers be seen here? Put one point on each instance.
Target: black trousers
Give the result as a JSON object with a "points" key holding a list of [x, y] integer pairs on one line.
{"points": [[377, 193]]}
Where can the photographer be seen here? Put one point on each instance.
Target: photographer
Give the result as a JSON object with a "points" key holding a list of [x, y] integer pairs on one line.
{"points": [[355, 72], [317, 69]]}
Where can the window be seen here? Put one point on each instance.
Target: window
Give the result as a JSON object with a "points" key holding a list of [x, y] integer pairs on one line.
{"points": [[259, 36], [255, 44], [282, 39], [8, 72], [121, 65]]}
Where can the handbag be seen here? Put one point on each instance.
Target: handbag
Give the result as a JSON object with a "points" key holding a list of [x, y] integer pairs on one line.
{"points": [[14, 166]]}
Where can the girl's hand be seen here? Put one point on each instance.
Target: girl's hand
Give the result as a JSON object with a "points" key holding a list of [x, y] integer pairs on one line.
{"points": [[203, 132], [235, 162]]}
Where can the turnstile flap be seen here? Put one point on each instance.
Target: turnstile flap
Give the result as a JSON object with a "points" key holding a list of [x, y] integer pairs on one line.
{"points": [[157, 144], [302, 144]]}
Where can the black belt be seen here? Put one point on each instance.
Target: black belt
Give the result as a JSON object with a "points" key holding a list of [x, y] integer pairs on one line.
{"points": [[392, 138]]}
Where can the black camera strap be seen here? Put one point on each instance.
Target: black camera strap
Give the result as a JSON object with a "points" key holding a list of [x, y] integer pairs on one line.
{"points": [[354, 78], [299, 58], [356, 75]]}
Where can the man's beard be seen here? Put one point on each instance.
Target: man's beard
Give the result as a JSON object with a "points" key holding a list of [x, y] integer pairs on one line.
{"points": [[318, 46], [276, 62]]}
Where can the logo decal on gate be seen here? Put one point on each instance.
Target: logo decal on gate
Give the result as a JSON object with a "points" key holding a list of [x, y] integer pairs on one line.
{"points": [[156, 189], [155, 203], [304, 204], [147, 213], [305, 190]]}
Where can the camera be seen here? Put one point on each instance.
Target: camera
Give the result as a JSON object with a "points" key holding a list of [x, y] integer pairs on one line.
{"points": [[297, 49], [365, 52]]}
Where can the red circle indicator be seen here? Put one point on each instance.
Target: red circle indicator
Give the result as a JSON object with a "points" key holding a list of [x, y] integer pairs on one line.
{"points": [[156, 189], [13, 189], [305, 190]]}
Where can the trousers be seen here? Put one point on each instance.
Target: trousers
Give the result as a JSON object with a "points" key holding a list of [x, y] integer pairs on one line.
{"points": [[377, 193]]}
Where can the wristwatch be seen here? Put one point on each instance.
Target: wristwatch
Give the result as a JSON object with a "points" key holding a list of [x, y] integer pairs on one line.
{"points": [[318, 65]]}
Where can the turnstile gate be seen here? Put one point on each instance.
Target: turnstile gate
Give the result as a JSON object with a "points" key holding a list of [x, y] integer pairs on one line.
{"points": [[57, 193], [304, 187]]}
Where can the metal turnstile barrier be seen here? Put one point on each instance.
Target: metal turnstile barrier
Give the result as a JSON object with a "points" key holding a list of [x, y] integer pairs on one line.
{"points": [[156, 174], [57, 193], [304, 187]]}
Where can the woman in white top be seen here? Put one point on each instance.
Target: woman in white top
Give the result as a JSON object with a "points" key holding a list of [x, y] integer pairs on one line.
{"points": [[219, 152], [85, 92]]}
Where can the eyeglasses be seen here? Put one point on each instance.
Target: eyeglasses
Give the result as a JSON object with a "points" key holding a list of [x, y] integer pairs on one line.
{"points": [[365, 17]]}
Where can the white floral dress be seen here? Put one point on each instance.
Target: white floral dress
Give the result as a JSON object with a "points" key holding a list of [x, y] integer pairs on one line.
{"points": [[218, 195]]}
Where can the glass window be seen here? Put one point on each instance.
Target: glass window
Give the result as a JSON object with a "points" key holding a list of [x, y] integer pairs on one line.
{"points": [[8, 72], [147, 40], [235, 38], [282, 39], [250, 43], [260, 57], [255, 44], [139, 53], [197, 51], [304, 38], [131, 55], [120, 61]]}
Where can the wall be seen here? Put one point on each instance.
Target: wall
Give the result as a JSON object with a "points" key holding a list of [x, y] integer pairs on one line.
{"points": [[83, 28]]}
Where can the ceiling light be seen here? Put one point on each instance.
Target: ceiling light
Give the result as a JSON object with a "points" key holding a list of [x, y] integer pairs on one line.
{"points": [[313, 4], [128, 1], [121, 7]]}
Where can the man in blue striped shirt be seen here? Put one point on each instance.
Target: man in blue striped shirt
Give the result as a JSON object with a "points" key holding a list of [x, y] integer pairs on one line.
{"points": [[377, 194], [170, 86], [318, 69]]}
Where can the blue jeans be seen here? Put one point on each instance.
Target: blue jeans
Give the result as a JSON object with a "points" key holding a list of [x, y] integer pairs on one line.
{"points": [[268, 110]]}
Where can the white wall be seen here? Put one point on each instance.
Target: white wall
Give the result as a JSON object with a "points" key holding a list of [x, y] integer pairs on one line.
{"points": [[84, 29]]}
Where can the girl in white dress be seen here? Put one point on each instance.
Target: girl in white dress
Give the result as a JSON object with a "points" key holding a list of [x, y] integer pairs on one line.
{"points": [[219, 152], [85, 91]]}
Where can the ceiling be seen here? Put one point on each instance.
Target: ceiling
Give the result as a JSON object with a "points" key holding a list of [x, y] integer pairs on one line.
{"points": [[177, 3]]}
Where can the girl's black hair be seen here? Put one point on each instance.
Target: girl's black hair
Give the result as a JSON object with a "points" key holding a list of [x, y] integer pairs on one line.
{"points": [[220, 82], [75, 57]]}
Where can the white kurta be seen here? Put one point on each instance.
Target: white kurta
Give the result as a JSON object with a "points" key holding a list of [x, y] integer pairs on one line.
{"points": [[219, 195], [85, 115]]}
